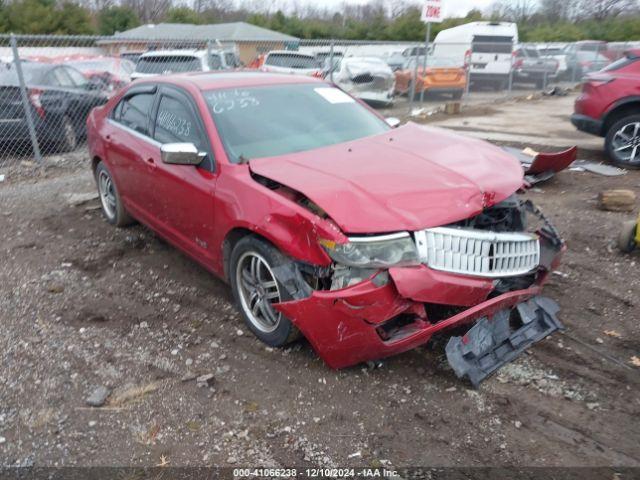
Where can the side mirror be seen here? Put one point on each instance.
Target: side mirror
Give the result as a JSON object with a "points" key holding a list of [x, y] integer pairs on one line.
{"points": [[181, 154], [393, 122]]}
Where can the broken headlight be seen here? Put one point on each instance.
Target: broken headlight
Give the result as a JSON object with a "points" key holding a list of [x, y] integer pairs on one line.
{"points": [[382, 251]]}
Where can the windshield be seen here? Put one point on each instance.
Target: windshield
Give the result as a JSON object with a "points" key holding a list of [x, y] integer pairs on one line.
{"points": [[628, 59], [168, 64], [291, 60], [275, 120]]}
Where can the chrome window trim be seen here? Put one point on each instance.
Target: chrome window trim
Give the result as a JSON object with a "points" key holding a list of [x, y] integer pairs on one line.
{"points": [[135, 133]]}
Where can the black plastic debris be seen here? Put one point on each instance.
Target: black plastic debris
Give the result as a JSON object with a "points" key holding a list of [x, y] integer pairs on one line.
{"points": [[493, 342]]}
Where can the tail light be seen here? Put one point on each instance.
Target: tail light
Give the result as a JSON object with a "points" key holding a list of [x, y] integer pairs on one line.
{"points": [[34, 97], [518, 63], [317, 74], [467, 59]]}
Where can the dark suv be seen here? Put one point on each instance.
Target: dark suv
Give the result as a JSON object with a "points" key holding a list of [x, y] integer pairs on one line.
{"points": [[609, 106]]}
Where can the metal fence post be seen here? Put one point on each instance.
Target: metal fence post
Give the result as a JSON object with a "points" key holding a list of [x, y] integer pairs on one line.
{"points": [[510, 81], [25, 100], [331, 60], [414, 80], [426, 55], [209, 54]]}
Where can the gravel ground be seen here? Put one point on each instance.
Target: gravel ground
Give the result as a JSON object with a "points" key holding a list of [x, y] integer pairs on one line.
{"points": [[84, 305]]}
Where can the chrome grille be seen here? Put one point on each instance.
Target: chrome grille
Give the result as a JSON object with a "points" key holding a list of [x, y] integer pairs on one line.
{"points": [[478, 252]]}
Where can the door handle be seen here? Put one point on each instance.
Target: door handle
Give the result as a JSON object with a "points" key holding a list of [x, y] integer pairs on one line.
{"points": [[108, 137]]}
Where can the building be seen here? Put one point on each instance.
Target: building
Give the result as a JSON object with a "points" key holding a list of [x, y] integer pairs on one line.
{"points": [[247, 40]]}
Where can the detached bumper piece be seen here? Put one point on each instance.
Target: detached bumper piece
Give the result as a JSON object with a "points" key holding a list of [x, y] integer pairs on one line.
{"points": [[493, 342]]}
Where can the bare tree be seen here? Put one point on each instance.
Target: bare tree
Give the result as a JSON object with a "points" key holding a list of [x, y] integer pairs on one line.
{"points": [[518, 11], [149, 11], [602, 9]]}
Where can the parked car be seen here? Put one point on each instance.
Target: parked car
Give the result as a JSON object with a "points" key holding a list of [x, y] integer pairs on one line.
{"points": [[396, 61], [164, 62], [326, 221], [442, 76], [109, 73], [609, 106], [555, 51], [584, 62], [368, 78], [323, 56], [484, 47], [288, 61], [132, 56], [530, 67], [60, 98]]}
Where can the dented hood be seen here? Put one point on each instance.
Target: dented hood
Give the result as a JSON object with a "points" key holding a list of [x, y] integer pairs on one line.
{"points": [[410, 178]]}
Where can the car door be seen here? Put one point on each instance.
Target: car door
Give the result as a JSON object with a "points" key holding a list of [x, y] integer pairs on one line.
{"points": [[131, 151], [85, 96], [184, 193]]}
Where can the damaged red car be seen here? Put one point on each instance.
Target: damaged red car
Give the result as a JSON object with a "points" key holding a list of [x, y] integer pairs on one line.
{"points": [[327, 221]]}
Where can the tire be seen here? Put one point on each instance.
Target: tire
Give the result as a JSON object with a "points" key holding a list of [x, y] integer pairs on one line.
{"points": [[625, 131], [270, 326], [68, 135], [112, 207], [627, 237]]}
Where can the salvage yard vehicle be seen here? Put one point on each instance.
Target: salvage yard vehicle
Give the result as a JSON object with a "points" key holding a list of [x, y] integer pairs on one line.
{"points": [[442, 75], [287, 61], [327, 222], [530, 67], [164, 62], [109, 73], [368, 78], [609, 106], [60, 98], [485, 47]]}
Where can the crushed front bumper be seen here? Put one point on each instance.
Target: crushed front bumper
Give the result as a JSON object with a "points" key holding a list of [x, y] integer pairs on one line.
{"points": [[367, 322], [493, 342]]}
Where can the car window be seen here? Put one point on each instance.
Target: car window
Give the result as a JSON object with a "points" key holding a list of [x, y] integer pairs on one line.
{"points": [[621, 63], [168, 64], [62, 78], [175, 123], [230, 58], [291, 60], [279, 119], [76, 77], [532, 53], [134, 112], [491, 44], [215, 62]]}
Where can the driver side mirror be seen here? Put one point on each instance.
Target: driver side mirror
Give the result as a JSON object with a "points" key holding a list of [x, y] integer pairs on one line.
{"points": [[181, 154], [393, 122]]}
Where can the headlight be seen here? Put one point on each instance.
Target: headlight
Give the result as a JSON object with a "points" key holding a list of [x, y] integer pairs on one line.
{"points": [[382, 251]]}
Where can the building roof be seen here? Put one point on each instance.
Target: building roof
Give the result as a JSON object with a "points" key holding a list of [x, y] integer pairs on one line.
{"points": [[225, 32]]}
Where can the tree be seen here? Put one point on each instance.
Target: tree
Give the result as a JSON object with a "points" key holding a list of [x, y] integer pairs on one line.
{"points": [[603, 9], [74, 20], [116, 19], [4, 21], [407, 26], [32, 16], [182, 15]]}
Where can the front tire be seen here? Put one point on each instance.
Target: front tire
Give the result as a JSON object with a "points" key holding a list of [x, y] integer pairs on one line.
{"points": [[256, 289], [622, 142], [68, 135], [112, 207]]}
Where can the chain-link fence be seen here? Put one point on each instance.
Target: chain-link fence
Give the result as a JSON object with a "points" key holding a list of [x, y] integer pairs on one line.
{"points": [[49, 84]]}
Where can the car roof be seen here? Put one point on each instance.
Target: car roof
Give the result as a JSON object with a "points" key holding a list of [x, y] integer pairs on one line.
{"points": [[230, 79], [290, 52], [177, 53]]}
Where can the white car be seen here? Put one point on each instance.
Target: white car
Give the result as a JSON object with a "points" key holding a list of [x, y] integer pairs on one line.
{"points": [[288, 61], [367, 78], [164, 62], [485, 47]]}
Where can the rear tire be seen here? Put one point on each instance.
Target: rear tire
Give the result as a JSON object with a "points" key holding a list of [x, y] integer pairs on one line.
{"points": [[627, 237], [622, 142], [112, 207], [68, 135], [255, 289]]}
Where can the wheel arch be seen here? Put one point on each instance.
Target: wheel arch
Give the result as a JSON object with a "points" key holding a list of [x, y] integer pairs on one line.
{"points": [[620, 109]]}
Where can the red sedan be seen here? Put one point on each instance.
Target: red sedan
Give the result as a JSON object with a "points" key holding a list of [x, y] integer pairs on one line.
{"points": [[326, 221]]}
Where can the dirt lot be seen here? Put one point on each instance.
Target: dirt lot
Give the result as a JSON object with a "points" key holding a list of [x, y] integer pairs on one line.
{"points": [[85, 305]]}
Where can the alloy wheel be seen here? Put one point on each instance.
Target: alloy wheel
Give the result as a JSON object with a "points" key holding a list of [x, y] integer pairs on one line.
{"points": [[107, 194], [626, 143], [258, 290]]}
